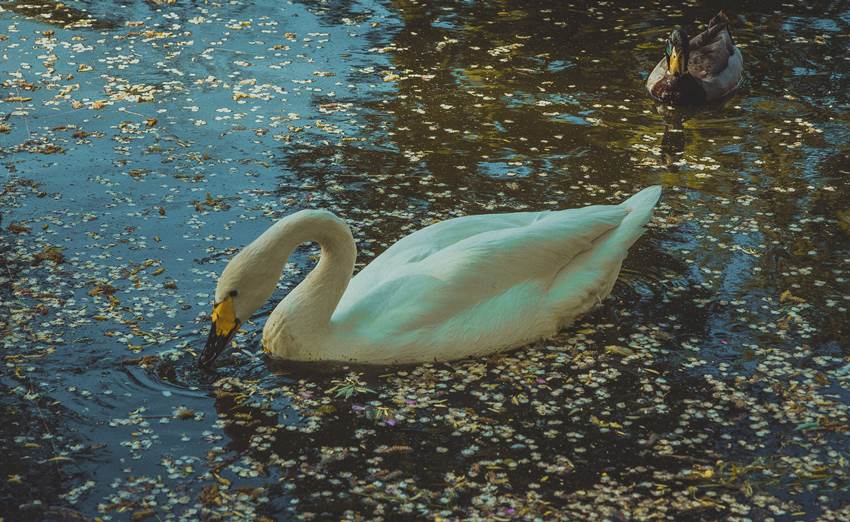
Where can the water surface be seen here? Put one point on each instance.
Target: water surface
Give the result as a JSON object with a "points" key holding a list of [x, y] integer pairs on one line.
{"points": [[143, 144]]}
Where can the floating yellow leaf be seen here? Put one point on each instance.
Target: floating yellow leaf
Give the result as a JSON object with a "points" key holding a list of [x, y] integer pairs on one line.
{"points": [[619, 350], [788, 296], [142, 514], [60, 458]]}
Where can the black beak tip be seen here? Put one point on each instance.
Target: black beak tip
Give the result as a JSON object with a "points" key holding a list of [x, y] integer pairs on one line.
{"points": [[215, 345], [206, 358]]}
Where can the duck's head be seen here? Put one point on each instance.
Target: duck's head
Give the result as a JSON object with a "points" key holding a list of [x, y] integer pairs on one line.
{"points": [[244, 286], [677, 52]]}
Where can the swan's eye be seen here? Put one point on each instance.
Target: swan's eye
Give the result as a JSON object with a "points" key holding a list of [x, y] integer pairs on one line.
{"points": [[233, 293]]}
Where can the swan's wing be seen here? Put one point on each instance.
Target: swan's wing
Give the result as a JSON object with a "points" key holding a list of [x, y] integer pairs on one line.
{"points": [[474, 270], [438, 236], [430, 240]]}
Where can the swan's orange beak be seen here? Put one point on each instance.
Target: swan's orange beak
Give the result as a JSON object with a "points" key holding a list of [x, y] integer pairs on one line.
{"points": [[224, 326]]}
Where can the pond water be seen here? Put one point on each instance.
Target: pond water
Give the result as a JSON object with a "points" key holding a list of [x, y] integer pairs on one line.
{"points": [[143, 143]]}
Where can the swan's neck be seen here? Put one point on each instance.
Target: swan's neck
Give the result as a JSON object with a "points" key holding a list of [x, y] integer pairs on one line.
{"points": [[306, 312]]}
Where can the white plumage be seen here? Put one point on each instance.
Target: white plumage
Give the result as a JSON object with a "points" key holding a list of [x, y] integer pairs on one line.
{"points": [[466, 286]]}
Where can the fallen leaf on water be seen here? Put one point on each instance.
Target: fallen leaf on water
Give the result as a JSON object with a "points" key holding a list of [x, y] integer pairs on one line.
{"points": [[223, 481], [619, 350], [788, 296], [16, 228], [49, 253], [59, 458], [102, 289], [50, 149], [143, 514]]}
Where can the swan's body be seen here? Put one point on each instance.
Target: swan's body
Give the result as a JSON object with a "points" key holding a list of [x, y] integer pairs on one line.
{"points": [[467, 286]]}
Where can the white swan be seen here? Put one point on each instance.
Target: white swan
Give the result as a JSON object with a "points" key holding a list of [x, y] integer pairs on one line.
{"points": [[467, 286]]}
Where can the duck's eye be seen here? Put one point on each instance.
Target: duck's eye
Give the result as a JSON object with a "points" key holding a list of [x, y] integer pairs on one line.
{"points": [[233, 293]]}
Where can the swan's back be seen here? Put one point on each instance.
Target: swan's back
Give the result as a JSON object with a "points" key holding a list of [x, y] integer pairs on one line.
{"points": [[480, 284]]}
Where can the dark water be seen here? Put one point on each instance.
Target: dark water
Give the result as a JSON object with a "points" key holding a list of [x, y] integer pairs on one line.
{"points": [[143, 144]]}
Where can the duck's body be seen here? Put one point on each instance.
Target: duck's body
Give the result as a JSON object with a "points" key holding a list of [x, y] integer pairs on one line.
{"points": [[463, 287], [704, 69]]}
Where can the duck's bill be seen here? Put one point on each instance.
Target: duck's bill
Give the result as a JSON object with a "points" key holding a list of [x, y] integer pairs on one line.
{"points": [[677, 62], [217, 341]]}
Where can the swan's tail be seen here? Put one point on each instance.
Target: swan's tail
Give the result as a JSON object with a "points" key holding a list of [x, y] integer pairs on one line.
{"points": [[610, 249], [590, 276], [640, 211]]}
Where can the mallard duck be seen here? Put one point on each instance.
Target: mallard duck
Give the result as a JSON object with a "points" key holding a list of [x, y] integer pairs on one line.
{"points": [[701, 70], [467, 286]]}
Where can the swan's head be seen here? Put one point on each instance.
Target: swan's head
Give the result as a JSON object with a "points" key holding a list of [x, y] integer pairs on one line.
{"points": [[677, 52], [245, 285]]}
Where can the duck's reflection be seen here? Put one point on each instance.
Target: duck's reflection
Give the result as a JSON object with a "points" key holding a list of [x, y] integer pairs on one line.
{"points": [[673, 141], [675, 138]]}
